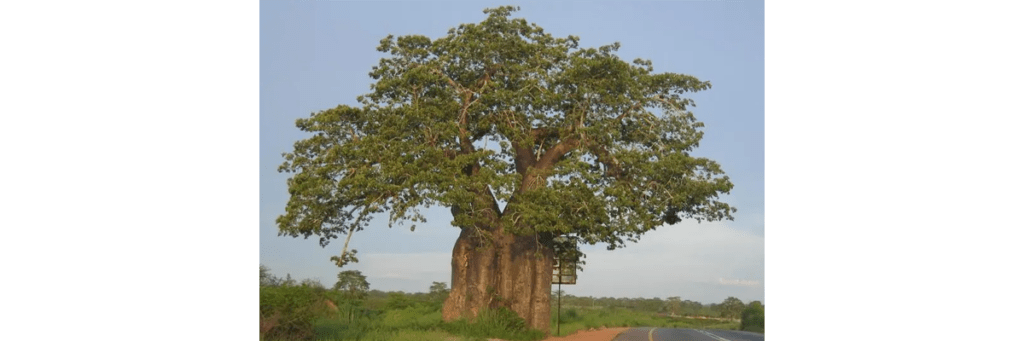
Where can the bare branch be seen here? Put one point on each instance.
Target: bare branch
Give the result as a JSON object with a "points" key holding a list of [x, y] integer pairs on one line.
{"points": [[625, 113], [609, 161], [355, 138], [553, 154]]}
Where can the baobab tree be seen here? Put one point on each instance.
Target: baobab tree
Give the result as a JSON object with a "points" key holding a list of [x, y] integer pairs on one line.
{"points": [[534, 144]]}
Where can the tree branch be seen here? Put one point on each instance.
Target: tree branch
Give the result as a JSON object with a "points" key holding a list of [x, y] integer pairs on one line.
{"points": [[604, 157], [542, 133], [524, 158], [447, 79], [467, 146], [553, 154], [355, 138], [634, 107], [344, 249]]}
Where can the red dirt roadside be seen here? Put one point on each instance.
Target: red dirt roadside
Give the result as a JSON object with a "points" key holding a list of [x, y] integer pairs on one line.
{"points": [[604, 334]]}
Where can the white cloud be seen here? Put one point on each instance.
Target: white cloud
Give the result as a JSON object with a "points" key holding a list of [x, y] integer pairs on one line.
{"points": [[738, 282]]}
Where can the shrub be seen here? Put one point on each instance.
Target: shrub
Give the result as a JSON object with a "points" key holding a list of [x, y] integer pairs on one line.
{"points": [[288, 312], [494, 323], [398, 300], [416, 317], [570, 315], [268, 322], [752, 318], [502, 318]]}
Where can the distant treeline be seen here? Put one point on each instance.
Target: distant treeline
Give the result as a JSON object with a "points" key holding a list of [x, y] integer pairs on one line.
{"points": [[349, 309], [730, 308]]}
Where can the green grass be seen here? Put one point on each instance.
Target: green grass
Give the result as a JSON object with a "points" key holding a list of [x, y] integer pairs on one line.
{"points": [[413, 323], [424, 322], [502, 323], [328, 330], [574, 319]]}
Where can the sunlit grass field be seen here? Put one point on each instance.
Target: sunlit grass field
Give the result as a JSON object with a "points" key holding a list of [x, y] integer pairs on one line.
{"points": [[574, 319], [425, 323]]}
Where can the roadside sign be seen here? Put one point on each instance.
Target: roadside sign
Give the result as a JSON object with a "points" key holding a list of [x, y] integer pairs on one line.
{"points": [[564, 272]]}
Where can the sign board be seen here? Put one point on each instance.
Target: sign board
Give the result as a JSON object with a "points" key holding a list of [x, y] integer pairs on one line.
{"points": [[564, 272]]}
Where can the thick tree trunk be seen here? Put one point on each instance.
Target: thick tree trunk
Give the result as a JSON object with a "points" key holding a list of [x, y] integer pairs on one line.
{"points": [[512, 272]]}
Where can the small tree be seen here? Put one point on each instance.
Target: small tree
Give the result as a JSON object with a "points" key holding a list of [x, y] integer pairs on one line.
{"points": [[731, 308], [352, 284], [753, 318], [266, 278], [312, 283], [691, 308], [398, 300], [674, 304], [438, 293], [287, 311], [353, 287]]}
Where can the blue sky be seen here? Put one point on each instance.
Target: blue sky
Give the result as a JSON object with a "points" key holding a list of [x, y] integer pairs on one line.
{"points": [[316, 55]]}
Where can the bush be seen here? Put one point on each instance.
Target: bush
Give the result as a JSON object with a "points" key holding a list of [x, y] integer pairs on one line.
{"points": [[570, 315], [500, 323], [288, 312], [397, 301], [417, 317], [502, 318], [753, 318]]}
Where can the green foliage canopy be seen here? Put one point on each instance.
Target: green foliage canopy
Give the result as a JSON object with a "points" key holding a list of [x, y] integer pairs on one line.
{"points": [[289, 312], [438, 291], [574, 141], [352, 285], [731, 307], [267, 278], [753, 317]]}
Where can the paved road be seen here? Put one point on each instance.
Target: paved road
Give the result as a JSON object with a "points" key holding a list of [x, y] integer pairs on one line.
{"points": [[682, 334]]}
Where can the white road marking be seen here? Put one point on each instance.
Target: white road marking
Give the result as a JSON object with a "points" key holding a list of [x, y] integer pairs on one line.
{"points": [[716, 337]]}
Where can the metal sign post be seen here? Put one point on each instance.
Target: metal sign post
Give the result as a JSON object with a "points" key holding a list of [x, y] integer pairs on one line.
{"points": [[564, 272]]}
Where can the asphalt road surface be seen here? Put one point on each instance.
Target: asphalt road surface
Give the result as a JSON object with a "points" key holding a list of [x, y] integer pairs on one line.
{"points": [[683, 334]]}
